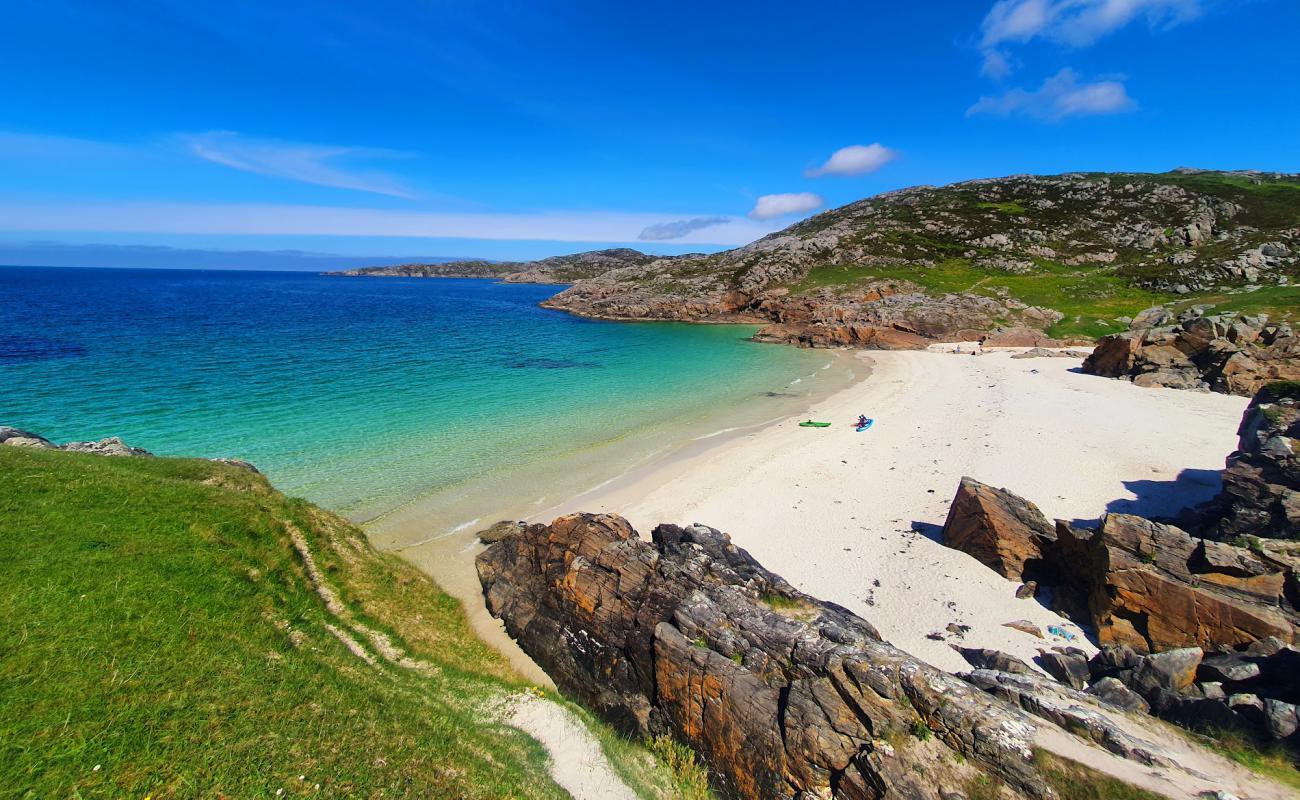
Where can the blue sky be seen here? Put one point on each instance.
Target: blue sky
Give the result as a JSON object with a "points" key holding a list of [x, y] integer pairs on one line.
{"points": [[525, 129]]}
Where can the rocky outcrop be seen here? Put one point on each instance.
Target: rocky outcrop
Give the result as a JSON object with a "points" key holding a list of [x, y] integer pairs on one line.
{"points": [[112, 446], [1144, 584], [933, 262], [1002, 531], [1227, 353], [1154, 587], [1261, 483], [866, 337], [781, 694], [1254, 691], [16, 437]]}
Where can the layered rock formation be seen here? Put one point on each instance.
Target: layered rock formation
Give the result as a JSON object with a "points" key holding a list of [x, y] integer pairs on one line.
{"points": [[1261, 484], [1158, 600], [1139, 583], [1229, 353], [781, 694]]}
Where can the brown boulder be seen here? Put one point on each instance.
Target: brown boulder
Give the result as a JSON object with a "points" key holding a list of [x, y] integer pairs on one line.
{"points": [[999, 529], [1225, 353], [782, 695], [1153, 589]]}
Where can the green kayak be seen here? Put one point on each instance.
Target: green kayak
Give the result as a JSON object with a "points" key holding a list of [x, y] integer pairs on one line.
{"points": [[811, 424]]}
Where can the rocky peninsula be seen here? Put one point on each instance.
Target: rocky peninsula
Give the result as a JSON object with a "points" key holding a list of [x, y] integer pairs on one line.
{"points": [[1020, 260]]}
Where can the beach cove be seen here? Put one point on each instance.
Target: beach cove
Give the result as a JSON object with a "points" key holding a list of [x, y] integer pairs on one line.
{"points": [[854, 518]]}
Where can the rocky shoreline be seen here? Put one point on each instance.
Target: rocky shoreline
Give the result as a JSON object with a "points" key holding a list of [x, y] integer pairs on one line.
{"points": [[909, 268]]}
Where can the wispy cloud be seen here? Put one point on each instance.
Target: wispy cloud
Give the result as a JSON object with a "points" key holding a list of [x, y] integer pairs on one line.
{"points": [[1075, 23], [856, 159], [14, 144], [1062, 95], [771, 206], [667, 231], [322, 165], [305, 220]]}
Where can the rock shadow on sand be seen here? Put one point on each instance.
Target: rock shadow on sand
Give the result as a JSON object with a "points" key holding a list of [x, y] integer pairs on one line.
{"points": [[1163, 499]]}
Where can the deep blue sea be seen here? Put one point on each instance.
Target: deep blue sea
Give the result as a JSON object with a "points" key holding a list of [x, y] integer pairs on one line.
{"points": [[364, 394]]}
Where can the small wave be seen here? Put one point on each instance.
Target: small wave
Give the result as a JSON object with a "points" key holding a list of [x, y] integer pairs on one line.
{"points": [[715, 433], [465, 525]]}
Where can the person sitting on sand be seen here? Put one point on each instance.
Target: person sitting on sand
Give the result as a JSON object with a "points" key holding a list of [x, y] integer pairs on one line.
{"points": [[862, 420]]}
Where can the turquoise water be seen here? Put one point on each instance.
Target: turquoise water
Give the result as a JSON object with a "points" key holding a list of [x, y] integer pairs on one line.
{"points": [[364, 394]]}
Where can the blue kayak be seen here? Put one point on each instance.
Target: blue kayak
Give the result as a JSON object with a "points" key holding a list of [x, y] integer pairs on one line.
{"points": [[866, 425]]}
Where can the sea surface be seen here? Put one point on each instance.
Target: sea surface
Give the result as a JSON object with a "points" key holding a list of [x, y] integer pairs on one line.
{"points": [[364, 395]]}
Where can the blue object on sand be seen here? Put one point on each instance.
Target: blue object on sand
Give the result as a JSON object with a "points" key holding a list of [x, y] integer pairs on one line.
{"points": [[866, 425], [1057, 630]]}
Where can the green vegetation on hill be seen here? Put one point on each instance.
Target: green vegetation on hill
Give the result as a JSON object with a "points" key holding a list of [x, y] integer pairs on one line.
{"points": [[1094, 247], [162, 634], [1091, 299]]}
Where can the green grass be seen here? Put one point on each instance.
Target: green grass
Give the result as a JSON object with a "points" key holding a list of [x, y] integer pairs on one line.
{"points": [[1269, 759], [1090, 298], [159, 636], [1073, 781], [779, 602], [1006, 208], [1281, 303]]}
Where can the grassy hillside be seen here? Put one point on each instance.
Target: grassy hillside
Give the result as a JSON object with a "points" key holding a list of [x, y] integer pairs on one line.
{"points": [[1096, 247], [161, 634]]}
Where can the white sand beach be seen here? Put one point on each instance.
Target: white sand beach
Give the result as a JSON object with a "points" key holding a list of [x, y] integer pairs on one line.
{"points": [[854, 518]]}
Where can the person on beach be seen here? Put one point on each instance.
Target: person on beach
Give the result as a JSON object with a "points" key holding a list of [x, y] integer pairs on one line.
{"points": [[862, 420]]}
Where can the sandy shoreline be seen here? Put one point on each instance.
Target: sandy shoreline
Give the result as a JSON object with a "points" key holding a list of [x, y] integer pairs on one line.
{"points": [[854, 517]]}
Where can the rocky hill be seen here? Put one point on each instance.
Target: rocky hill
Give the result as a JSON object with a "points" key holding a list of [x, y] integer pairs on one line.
{"points": [[1074, 254], [557, 269]]}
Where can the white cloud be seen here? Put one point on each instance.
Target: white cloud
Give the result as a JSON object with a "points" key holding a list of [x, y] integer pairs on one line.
{"points": [[1077, 22], [770, 206], [274, 219], [322, 165], [1060, 96], [997, 64], [856, 159], [667, 231]]}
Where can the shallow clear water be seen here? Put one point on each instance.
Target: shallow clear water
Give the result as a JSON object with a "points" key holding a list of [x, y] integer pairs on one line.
{"points": [[363, 394]]}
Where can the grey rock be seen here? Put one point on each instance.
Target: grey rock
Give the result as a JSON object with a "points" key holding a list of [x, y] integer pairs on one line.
{"points": [[1113, 692], [1227, 669], [982, 658], [1280, 718], [1068, 668], [112, 446], [501, 530], [1172, 670], [17, 437]]}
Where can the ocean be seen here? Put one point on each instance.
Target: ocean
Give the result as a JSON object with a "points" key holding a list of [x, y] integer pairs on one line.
{"points": [[365, 395]]}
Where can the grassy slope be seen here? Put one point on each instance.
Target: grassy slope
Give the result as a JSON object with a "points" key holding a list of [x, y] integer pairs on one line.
{"points": [[156, 623], [1090, 296]]}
